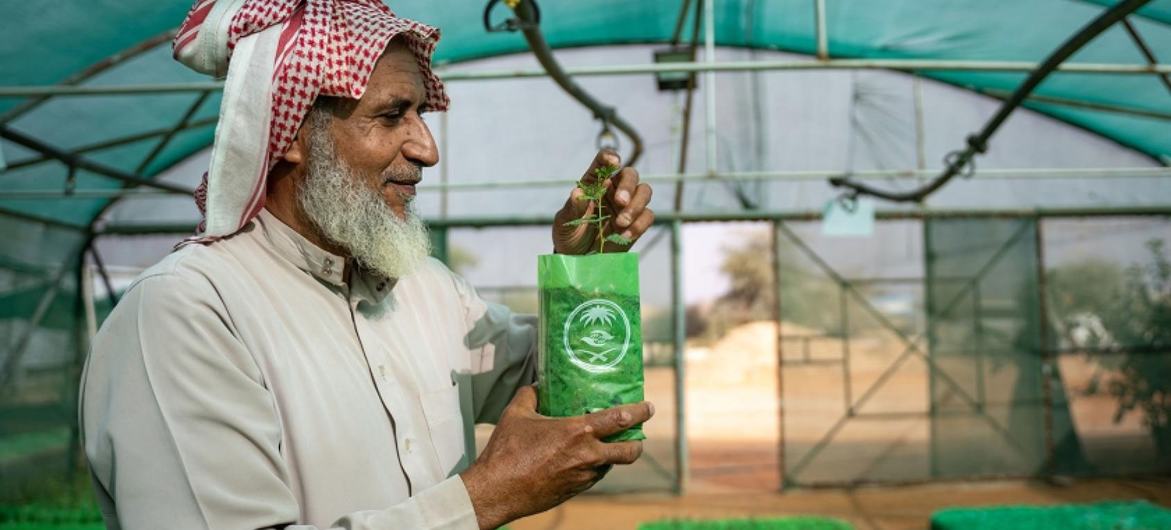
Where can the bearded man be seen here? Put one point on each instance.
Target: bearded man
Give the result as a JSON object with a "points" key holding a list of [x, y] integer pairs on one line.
{"points": [[301, 362]]}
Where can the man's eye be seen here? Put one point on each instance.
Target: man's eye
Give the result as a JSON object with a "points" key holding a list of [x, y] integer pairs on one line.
{"points": [[392, 117]]}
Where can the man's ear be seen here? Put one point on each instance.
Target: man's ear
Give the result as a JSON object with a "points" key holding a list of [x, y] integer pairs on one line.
{"points": [[299, 150]]}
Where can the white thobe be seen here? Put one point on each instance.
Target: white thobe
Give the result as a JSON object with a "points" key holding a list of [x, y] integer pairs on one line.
{"points": [[248, 384]]}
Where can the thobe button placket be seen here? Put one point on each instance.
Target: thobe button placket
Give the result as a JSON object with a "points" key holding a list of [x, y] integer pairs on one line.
{"points": [[328, 268], [395, 399]]}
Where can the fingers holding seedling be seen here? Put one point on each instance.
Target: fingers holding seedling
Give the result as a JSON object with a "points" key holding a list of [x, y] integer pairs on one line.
{"points": [[606, 162], [591, 197], [606, 211], [624, 184]]}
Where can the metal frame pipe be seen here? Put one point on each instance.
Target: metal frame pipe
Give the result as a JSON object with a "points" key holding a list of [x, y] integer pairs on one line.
{"points": [[689, 101], [116, 142], [1079, 104], [679, 339], [962, 161], [686, 217], [779, 338], [77, 162], [801, 175], [820, 30], [709, 89], [525, 11], [92, 71], [998, 174], [11, 365], [24, 91]]}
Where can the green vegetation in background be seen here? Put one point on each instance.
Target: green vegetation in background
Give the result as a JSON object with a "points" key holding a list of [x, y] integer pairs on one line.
{"points": [[1104, 308], [1128, 515], [809, 298], [780, 523]]}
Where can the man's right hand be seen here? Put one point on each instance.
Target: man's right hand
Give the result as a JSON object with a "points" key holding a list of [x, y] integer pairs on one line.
{"points": [[533, 463]]}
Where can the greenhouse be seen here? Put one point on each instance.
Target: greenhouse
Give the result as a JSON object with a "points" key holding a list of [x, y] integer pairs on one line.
{"points": [[896, 243]]}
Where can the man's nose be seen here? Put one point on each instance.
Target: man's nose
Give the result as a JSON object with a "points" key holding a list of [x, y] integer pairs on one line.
{"points": [[420, 146]]}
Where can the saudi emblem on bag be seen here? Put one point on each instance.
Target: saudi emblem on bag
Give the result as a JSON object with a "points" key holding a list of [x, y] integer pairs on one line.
{"points": [[597, 335]]}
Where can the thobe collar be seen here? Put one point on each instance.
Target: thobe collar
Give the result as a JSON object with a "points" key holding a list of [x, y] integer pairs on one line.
{"points": [[326, 266]]}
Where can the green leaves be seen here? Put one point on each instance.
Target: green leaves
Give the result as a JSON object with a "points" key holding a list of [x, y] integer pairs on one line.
{"points": [[594, 191], [618, 239], [605, 172], [587, 219]]}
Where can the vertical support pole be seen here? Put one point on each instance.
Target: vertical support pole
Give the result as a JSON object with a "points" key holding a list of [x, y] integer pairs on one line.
{"points": [[709, 89], [105, 275], [920, 132], [679, 343], [929, 309], [822, 38], [779, 315], [87, 300], [978, 328], [9, 369], [439, 243], [689, 100], [1044, 350], [844, 309], [82, 339]]}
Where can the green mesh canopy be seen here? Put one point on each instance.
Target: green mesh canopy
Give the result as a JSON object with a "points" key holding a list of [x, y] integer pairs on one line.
{"points": [[85, 39]]}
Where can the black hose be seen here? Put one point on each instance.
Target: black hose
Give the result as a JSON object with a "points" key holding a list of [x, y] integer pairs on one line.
{"points": [[958, 161], [544, 54]]}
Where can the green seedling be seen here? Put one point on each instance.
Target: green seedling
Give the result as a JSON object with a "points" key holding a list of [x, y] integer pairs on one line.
{"points": [[595, 191]]}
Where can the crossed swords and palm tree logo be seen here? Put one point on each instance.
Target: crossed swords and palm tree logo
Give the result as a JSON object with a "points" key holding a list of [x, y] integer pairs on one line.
{"points": [[594, 331]]}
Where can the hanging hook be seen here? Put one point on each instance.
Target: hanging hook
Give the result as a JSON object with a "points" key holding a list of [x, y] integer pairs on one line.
{"points": [[848, 201], [513, 23], [606, 137], [964, 171]]}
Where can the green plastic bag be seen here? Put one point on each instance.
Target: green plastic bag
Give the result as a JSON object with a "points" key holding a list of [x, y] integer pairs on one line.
{"points": [[590, 341]]}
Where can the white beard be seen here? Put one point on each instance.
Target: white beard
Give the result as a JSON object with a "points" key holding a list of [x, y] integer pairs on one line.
{"points": [[353, 215]]}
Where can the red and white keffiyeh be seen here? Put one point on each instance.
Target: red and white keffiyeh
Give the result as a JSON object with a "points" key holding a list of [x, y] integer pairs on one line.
{"points": [[278, 56]]}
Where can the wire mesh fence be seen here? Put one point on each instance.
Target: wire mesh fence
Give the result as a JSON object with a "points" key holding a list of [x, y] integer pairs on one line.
{"points": [[936, 348]]}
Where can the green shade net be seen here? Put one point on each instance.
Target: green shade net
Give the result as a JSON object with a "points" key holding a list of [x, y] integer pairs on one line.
{"points": [[48, 46], [982, 307], [76, 41]]}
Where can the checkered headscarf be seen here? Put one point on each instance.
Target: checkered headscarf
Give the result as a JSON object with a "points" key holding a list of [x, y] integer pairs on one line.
{"points": [[283, 55]]}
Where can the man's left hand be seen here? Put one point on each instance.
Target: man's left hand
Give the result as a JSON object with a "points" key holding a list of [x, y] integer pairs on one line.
{"points": [[625, 201]]}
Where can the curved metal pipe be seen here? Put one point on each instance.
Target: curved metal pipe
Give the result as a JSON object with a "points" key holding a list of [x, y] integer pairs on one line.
{"points": [[544, 54], [959, 162], [74, 161], [91, 71]]}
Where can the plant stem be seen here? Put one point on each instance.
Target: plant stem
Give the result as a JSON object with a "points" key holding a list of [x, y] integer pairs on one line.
{"points": [[601, 236]]}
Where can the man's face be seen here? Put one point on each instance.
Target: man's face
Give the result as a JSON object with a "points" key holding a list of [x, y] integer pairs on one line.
{"points": [[382, 137], [361, 160]]}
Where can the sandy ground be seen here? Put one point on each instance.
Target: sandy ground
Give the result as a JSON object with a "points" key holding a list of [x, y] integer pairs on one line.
{"points": [[867, 508], [735, 426], [734, 432]]}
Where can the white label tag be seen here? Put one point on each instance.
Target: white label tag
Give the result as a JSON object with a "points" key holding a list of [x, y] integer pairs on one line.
{"points": [[840, 220]]}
